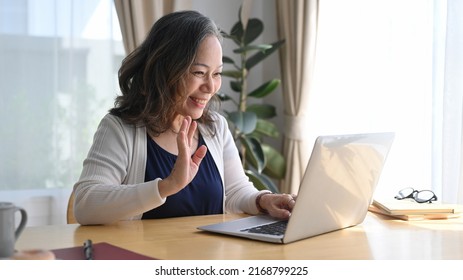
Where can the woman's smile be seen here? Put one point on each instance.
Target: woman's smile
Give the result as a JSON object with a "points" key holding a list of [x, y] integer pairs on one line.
{"points": [[199, 102]]}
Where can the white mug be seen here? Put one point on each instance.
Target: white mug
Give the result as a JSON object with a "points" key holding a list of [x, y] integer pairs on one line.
{"points": [[9, 233]]}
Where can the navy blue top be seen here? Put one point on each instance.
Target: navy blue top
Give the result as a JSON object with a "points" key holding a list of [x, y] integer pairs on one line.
{"points": [[203, 196]]}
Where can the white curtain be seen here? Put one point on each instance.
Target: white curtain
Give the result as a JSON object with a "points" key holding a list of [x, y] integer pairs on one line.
{"points": [[448, 98], [297, 24], [137, 16]]}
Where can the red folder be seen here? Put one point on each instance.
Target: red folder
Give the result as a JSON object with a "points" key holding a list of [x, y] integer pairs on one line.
{"points": [[101, 251]]}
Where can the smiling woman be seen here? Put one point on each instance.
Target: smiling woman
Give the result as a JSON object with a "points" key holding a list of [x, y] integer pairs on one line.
{"points": [[163, 151]]}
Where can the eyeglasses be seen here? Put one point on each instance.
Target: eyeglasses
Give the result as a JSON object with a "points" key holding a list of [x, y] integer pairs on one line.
{"points": [[419, 196]]}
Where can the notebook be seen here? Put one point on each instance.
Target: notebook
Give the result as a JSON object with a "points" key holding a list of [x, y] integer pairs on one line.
{"points": [[102, 251], [335, 192]]}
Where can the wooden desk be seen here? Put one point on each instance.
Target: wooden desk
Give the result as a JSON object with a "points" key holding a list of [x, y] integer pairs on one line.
{"points": [[378, 237]]}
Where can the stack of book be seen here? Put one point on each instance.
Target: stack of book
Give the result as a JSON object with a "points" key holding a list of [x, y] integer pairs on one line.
{"points": [[408, 209]]}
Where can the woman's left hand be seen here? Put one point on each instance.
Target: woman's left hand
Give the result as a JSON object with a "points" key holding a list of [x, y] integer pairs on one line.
{"points": [[187, 165], [278, 205]]}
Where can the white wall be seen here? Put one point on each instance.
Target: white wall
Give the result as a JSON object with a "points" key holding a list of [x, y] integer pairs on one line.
{"points": [[43, 206]]}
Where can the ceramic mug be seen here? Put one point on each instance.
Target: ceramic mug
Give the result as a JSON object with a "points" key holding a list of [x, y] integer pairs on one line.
{"points": [[9, 233]]}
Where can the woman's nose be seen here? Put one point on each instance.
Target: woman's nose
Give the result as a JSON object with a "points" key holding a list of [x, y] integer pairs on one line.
{"points": [[208, 85]]}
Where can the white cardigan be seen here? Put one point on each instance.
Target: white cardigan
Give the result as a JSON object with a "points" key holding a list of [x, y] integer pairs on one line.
{"points": [[111, 186]]}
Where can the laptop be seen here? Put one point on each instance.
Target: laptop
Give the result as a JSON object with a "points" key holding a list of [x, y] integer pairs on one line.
{"points": [[335, 192]]}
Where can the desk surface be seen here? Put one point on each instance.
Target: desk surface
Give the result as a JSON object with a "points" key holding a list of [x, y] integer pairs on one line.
{"points": [[378, 237]]}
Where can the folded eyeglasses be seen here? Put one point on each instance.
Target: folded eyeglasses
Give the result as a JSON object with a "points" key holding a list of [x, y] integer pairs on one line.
{"points": [[422, 196]]}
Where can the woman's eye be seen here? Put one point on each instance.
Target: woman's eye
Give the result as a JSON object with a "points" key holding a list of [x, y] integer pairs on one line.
{"points": [[203, 74]]}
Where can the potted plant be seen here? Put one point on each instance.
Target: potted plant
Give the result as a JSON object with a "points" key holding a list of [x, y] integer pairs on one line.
{"points": [[250, 123]]}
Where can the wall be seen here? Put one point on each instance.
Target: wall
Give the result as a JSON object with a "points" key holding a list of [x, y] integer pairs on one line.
{"points": [[43, 206]]}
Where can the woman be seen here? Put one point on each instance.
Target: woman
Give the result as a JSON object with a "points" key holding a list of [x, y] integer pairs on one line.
{"points": [[161, 151]]}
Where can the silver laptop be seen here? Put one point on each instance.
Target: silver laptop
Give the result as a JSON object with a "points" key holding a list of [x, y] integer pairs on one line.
{"points": [[335, 192]]}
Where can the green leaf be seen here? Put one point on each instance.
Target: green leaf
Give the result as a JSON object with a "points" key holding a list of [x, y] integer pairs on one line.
{"points": [[226, 59], [265, 89], [244, 122], [261, 182], [236, 33], [225, 34], [261, 48], [231, 37], [235, 86], [258, 57], [232, 74], [255, 180], [254, 152], [263, 111], [222, 96], [267, 128], [275, 165], [254, 28]]}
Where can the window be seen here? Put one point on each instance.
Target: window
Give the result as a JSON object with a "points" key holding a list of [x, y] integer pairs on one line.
{"points": [[375, 71], [58, 77]]}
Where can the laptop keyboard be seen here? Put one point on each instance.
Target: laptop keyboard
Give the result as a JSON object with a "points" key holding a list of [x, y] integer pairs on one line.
{"points": [[276, 228]]}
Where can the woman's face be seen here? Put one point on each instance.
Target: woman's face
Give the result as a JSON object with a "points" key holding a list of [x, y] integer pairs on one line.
{"points": [[204, 78]]}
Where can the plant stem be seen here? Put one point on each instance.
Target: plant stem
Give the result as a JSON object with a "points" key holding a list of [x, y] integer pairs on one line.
{"points": [[243, 93]]}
